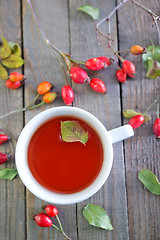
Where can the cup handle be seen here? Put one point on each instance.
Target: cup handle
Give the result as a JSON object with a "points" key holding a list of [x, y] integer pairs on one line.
{"points": [[121, 133]]}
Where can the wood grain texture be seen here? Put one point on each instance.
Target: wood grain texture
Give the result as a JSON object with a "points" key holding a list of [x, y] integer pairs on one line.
{"points": [[112, 196], [41, 65], [12, 199], [143, 150]]}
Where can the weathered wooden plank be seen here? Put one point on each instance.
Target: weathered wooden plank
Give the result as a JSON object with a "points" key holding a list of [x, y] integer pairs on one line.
{"points": [[12, 199], [107, 108], [41, 65], [142, 151]]}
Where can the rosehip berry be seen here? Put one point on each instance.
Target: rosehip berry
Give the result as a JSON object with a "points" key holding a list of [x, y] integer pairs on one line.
{"points": [[51, 210], [67, 95], [94, 64], [156, 127], [136, 121], [129, 68], [15, 76], [13, 85], [98, 85], [136, 50], [121, 75], [49, 97], [3, 138], [44, 87], [43, 220], [78, 75], [4, 157], [106, 61]]}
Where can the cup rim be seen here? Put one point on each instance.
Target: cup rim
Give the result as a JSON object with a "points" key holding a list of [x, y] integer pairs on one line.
{"points": [[22, 164]]}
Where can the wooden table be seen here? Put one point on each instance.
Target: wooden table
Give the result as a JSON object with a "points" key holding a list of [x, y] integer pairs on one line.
{"points": [[134, 211]]}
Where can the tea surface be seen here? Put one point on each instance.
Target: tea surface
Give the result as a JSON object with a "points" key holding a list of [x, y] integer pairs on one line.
{"points": [[61, 166]]}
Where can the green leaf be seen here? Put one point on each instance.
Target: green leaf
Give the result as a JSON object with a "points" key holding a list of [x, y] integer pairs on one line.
{"points": [[72, 131], [7, 173], [97, 216], [91, 11], [153, 69], [150, 181], [5, 49], [129, 113], [15, 48], [3, 73], [13, 61]]}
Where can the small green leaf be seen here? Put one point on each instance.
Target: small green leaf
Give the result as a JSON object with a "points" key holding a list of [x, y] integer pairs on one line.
{"points": [[129, 113], [153, 69], [13, 61], [5, 49], [15, 48], [150, 181], [147, 118], [7, 173], [97, 216], [72, 131], [88, 9], [3, 73]]}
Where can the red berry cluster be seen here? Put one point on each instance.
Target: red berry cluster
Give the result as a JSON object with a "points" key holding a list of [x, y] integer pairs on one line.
{"points": [[44, 220], [15, 80], [4, 157]]}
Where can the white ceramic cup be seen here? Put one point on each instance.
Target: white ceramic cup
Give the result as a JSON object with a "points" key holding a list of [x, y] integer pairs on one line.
{"points": [[107, 138]]}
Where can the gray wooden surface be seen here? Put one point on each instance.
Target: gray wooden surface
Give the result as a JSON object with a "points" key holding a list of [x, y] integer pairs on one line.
{"points": [[134, 212]]}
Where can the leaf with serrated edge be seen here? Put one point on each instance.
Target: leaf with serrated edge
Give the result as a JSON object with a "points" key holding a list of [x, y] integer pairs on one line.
{"points": [[13, 61], [5, 49], [3, 73], [15, 48], [150, 181], [7, 173], [72, 131], [91, 11], [97, 216]]}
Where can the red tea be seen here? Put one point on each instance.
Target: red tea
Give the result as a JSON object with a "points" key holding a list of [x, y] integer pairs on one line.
{"points": [[61, 166]]}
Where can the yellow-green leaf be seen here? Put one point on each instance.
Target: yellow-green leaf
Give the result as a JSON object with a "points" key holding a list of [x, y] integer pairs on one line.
{"points": [[15, 48], [13, 61], [129, 113], [72, 131], [90, 10], [3, 73], [5, 49]]}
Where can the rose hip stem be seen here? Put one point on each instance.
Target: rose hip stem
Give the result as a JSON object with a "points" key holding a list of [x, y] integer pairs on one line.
{"points": [[61, 228]]}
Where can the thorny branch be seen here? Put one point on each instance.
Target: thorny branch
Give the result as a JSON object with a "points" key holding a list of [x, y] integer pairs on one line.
{"points": [[154, 16]]}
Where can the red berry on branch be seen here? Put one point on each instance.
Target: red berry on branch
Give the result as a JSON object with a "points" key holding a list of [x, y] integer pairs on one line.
{"points": [[67, 95], [43, 220], [156, 127], [49, 97], [15, 76], [136, 50], [106, 60], [4, 157], [3, 138], [13, 85], [78, 75], [44, 87], [136, 121], [51, 210], [98, 85], [129, 68], [121, 75], [94, 64]]}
